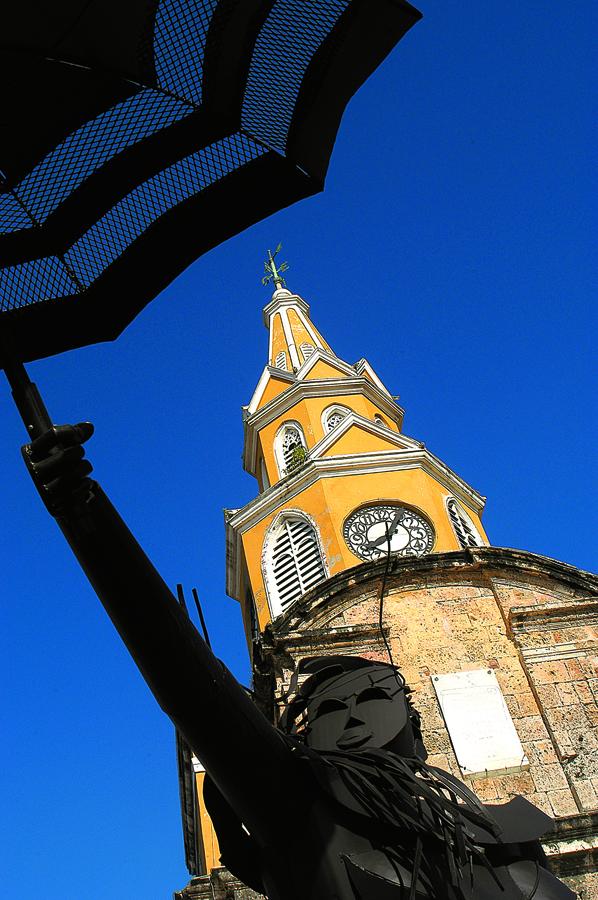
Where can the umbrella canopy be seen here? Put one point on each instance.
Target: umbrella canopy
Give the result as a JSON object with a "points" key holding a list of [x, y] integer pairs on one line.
{"points": [[135, 136]]}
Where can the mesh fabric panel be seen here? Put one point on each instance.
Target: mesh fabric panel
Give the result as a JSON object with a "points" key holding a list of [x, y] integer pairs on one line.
{"points": [[180, 33], [110, 236], [12, 215], [179, 43], [89, 147], [108, 189], [114, 232], [31, 282], [290, 37]]}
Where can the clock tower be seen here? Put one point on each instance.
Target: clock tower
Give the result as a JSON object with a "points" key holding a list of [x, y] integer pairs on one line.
{"points": [[362, 542], [339, 481]]}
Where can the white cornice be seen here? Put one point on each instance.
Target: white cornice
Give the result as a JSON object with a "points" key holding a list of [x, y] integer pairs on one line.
{"points": [[364, 366], [269, 372], [319, 354], [280, 300], [268, 502], [302, 390], [353, 419]]}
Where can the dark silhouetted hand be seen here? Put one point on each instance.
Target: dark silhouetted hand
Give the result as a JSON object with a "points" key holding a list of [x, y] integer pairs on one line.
{"points": [[56, 463]]}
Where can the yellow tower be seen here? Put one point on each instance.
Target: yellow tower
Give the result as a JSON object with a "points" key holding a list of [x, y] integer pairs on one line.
{"points": [[338, 480]]}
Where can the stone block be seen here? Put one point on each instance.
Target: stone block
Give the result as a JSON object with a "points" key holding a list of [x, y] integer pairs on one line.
{"points": [[514, 783], [584, 692], [541, 752], [576, 670], [591, 713], [562, 802], [564, 743], [540, 799], [548, 695], [567, 693], [526, 704], [531, 728], [485, 789], [568, 718], [586, 792], [550, 672], [549, 777]]}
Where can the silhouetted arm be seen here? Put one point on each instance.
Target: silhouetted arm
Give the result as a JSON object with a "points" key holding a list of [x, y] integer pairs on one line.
{"points": [[239, 748]]}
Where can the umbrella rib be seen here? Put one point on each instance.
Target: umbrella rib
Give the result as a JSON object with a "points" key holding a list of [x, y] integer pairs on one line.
{"points": [[25, 208], [260, 141], [106, 72], [73, 24], [271, 149], [141, 84], [37, 224]]}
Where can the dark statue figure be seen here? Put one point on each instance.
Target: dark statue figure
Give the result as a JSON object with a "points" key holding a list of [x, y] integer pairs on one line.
{"points": [[336, 804]]}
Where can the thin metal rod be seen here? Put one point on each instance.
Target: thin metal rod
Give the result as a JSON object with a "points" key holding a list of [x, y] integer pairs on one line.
{"points": [[181, 597], [204, 627], [27, 398]]}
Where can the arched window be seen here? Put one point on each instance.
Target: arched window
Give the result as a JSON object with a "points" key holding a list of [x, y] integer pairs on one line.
{"points": [[290, 448], [281, 361], [307, 349], [380, 421], [333, 416], [466, 532], [293, 561]]}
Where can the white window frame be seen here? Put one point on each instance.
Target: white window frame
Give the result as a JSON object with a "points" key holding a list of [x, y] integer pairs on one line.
{"points": [[267, 566], [344, 411], [278, 444], [465, 525]]}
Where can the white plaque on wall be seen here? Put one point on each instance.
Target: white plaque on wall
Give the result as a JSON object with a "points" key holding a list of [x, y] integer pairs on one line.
{"points": [[478, 722]]}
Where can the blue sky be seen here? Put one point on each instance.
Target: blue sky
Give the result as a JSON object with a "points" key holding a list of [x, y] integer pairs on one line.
{"points": [[452, 248]]}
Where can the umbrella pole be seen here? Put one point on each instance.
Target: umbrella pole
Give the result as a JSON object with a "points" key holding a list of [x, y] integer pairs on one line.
{"points": [[27, 398]]}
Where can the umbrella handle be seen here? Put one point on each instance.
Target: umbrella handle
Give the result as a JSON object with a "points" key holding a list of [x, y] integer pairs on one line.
{"points": [[27, 398]]}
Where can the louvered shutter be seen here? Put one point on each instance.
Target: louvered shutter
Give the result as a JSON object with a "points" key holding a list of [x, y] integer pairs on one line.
{"points": [[296, 560], [466, 533]]}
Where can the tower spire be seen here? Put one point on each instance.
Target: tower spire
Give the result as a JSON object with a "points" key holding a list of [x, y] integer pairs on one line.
{"points": [[293, 336]]}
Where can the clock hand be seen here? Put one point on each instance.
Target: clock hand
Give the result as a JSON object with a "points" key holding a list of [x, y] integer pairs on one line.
{"points": [[394, 524], [390, 530]]}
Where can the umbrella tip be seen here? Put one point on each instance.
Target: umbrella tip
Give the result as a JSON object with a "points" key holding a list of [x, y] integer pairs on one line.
{"points": [[274, 271]]}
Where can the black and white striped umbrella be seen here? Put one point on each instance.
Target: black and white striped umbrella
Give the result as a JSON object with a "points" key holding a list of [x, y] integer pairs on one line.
{"points": [[137, 135]]}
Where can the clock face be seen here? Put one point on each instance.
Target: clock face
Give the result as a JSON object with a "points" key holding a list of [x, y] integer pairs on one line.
{"points": [[368, 530]]}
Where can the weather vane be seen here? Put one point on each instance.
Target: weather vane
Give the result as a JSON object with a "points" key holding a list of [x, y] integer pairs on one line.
{"points": [[274, 272]]}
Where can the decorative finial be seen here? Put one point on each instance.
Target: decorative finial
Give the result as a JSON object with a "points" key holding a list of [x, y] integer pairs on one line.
{"points": [[274, 272]]}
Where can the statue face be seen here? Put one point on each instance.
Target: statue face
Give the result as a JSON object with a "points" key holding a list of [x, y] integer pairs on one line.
{"points": [[360, 710]]}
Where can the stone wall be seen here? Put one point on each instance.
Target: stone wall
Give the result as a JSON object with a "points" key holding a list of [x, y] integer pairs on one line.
{"points": [[558, 642], [530, 620]]}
